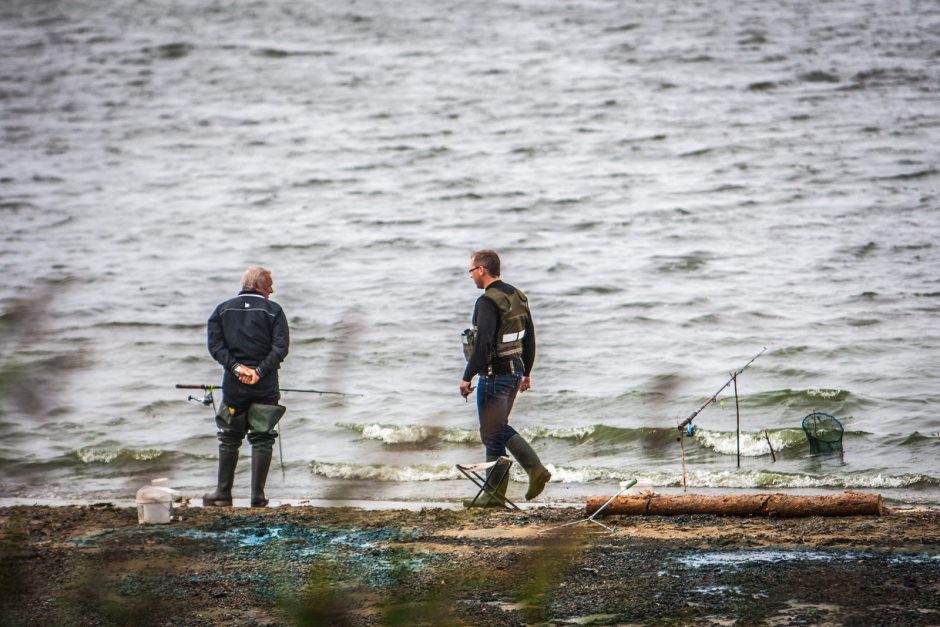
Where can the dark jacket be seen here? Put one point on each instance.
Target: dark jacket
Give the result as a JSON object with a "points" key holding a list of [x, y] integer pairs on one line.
{"points": [[486, 319], [249, 330]]}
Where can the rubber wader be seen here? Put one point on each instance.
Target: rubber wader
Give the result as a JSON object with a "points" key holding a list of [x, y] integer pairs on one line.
{"points": [[263, 418], [222, 497], [260, 463], [527, 458], [485, 500]]}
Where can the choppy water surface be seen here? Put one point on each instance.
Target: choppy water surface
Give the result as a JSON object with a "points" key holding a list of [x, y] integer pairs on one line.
{"points": [[676, 185]]}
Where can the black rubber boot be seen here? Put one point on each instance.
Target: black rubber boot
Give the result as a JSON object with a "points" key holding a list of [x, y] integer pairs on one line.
{"points": [[260, 463], [527, 458], [222, 497], [485, 500]]}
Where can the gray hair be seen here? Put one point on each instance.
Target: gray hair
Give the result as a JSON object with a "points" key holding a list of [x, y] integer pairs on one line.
{"points": [[256, 277]]}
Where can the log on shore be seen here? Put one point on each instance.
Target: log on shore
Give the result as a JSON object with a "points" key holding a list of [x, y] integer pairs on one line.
{"points": [[773, 505]]}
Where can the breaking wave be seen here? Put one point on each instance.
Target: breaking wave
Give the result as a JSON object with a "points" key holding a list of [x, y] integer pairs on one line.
{"points": [[120, 456], [808, 399], [591, 474], [603, 434], [767, 479], [748, 479], [402, 434], [377, 472], [107, 456], [753, 443]]}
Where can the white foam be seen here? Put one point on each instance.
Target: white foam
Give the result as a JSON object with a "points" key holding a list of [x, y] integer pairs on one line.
{"points": [[824, 393], [764, 479], [376, 472], [753, 444], [752, 479], [561, 433], [98, 456], [404, 434], [397, 435]]}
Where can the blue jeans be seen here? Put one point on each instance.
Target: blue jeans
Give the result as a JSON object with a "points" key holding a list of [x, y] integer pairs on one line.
{"points": [[495, 396]]}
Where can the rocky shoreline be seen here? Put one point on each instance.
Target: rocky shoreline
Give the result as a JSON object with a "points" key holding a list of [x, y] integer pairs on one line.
{"points": [[94, 565]]}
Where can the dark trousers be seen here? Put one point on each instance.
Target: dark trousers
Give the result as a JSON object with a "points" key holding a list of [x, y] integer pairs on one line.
{"points": [[238, 395], [495, 396]]}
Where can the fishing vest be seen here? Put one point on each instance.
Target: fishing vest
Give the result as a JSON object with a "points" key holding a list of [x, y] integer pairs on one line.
{"points": [[513, 311]]}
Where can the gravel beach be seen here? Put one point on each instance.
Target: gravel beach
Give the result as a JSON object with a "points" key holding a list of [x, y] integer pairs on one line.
{"points": [[94, 565]]}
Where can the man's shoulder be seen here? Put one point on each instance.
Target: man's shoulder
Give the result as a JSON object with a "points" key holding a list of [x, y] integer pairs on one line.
{"points": [[228, 301], [226, 304], [249, 301], [487, 297], [232, 303], [265, 303], [501, 287]]}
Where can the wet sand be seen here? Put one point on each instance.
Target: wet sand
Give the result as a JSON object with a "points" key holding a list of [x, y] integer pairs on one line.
{"points": [[95, 565]]}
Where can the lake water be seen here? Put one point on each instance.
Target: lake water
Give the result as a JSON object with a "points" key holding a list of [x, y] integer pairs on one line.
{"points": [[676, 185]]}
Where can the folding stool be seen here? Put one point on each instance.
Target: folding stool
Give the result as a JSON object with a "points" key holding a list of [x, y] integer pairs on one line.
{"points": [[472, 472]]}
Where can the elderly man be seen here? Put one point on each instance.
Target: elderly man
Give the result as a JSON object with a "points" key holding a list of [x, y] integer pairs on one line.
{"points": [[501, 350], [248, 336]]}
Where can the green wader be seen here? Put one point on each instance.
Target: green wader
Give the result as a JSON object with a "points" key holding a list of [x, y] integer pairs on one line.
{"points": [[258, 424]]}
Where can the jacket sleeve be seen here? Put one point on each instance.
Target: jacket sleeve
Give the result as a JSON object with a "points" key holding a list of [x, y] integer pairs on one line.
{"points": [[487, 320], [528, 345], [216, 340], [280, 344]]}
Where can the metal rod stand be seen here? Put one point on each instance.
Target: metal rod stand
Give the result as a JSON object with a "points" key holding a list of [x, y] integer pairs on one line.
{"points": [[737, 410], [624, 486], [682, 446]]}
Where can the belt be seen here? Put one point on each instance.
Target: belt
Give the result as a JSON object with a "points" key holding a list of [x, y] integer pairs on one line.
{"points": [[502, 367]]}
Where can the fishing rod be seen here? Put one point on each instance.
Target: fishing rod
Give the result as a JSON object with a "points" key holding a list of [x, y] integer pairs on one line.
{"points": [[320, 392], [207, 400], [711, 399], [714, 397], [210, 388]]}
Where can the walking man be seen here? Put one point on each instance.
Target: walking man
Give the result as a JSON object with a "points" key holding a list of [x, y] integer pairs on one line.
{"points": [[248, 336], [500, 348]]}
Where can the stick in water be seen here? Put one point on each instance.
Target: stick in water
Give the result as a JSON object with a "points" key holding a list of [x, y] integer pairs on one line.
{"points": [[767, 437]]}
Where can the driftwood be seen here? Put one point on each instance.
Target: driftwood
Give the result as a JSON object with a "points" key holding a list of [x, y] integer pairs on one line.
{"points": [[774, 505]]}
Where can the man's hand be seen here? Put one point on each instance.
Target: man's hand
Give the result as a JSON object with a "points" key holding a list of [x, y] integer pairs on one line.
{"points": [[465, 389], [247, 375], [525, 384]]}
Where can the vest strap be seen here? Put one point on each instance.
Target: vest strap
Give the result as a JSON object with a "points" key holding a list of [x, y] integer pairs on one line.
{"points": [[512, 337]]}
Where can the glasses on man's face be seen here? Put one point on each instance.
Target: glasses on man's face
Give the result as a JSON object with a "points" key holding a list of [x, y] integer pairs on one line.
{"points": [[473, 268]]}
